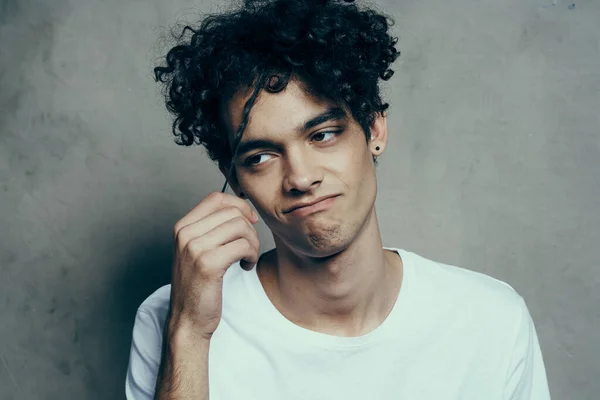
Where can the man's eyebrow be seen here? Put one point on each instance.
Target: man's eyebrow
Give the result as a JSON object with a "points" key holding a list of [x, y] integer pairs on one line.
{"points": [[332, 114], [249, 145]]}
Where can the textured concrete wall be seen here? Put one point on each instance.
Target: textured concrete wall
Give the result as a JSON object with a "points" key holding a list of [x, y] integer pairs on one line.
{"points": [[494, 165]]}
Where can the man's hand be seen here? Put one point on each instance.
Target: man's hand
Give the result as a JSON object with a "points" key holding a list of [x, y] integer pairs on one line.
{"points": [[213, 235], [210, 238]]}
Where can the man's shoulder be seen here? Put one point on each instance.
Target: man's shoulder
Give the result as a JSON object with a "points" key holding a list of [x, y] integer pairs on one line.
{"points": [[465, 289]]}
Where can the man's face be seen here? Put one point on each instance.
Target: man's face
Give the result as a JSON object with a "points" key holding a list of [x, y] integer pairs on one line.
{"points": [[296, 149]]}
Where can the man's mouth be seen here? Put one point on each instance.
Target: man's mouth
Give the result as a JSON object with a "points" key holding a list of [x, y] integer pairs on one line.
{"points": [[308, 207]]}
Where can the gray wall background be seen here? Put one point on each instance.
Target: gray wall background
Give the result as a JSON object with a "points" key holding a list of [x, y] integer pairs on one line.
{"points": [[494, 165]]}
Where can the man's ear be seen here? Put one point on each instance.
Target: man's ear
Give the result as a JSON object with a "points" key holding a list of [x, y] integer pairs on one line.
{"points": [[379, 134], [232, 181]]}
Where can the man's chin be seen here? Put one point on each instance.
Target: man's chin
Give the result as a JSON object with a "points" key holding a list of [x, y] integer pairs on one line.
{"points": [[318, 237], [319, 245]]}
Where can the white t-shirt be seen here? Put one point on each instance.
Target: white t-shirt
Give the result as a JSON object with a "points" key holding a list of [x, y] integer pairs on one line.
{"points": [[452, 334]]}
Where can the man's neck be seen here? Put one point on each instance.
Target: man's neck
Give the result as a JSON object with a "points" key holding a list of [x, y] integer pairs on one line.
{"points": [[350, 295]]}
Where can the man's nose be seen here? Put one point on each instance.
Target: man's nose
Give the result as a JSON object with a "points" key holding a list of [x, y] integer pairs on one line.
{"points": [[302, 172]]}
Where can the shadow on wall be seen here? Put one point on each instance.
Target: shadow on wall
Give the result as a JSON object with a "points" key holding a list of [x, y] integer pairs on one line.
{"points": [[145, 268]]}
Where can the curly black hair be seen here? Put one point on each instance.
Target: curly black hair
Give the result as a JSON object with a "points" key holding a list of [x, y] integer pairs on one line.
{"points": [[336, 49]]}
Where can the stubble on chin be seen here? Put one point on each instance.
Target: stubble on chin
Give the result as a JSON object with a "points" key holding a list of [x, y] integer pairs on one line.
{"points": [[324, 239]]}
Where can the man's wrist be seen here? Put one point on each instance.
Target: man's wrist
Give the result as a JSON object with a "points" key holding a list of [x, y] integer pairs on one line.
{"points": [[182, 335]]}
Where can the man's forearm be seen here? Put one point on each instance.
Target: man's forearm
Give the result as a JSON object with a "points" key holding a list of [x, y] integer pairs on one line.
{"points": [[183, 371]]}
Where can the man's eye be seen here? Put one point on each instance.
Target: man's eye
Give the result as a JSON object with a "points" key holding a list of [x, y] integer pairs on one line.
{"points": [[254, 160], [322, 136]]}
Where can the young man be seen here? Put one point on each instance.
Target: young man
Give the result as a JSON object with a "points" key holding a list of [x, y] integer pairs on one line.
{"points": [[284, 95]]}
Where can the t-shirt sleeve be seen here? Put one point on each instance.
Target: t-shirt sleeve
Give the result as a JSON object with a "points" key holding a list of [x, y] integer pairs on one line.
{"points": [[526, 375], [144, 357]]}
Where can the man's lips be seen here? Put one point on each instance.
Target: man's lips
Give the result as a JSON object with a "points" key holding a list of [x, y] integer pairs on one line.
{"points": [[306, 207]]}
